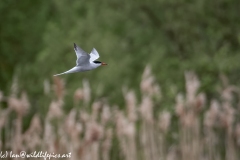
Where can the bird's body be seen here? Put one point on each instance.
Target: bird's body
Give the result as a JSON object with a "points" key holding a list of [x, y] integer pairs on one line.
{"points": [[85, 61]]}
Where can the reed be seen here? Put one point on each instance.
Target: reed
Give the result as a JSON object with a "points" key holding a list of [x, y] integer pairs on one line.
{"points": [[206, 128]]}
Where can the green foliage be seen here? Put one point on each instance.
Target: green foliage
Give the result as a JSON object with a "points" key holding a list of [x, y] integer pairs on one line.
{"points": [[172, 36], [21, 29]]}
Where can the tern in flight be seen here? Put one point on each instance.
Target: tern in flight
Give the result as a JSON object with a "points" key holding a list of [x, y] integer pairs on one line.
{"points": [[85, 61]]}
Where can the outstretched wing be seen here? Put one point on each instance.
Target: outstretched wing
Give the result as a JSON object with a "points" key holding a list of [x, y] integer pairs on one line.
{"points": [[82, 56], [94, 55]]}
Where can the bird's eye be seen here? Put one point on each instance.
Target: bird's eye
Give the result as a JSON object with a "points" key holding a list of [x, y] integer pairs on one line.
{"points": [[97, 62]]}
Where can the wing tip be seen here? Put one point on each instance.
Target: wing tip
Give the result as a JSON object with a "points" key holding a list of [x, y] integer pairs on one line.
{"points": [[75, 46]]}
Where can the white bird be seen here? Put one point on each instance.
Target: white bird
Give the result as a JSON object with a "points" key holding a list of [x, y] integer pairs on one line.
{"points": [[85, 61]]}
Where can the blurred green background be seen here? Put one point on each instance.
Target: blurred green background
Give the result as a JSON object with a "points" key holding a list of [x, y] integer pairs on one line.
{"points": [[36, 42]]}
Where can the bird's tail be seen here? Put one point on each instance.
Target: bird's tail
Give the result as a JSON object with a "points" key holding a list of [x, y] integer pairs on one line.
{"points": [[59, 74], [73, 70]]}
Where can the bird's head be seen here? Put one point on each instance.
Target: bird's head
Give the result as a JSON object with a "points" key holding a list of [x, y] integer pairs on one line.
{"points": [[99, 63]]}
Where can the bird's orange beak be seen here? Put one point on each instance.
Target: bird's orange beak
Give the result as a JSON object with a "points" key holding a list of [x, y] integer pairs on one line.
{"points": [[104, 64]]}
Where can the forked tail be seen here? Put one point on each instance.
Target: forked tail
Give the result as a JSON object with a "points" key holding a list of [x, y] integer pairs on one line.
{"points": [[73, 70]]}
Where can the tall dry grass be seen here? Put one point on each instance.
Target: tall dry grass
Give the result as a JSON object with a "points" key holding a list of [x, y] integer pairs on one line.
{"points": [[199, 129]]}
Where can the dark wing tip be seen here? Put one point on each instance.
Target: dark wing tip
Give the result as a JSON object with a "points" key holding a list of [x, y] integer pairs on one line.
{"points": [[75, 46]]}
